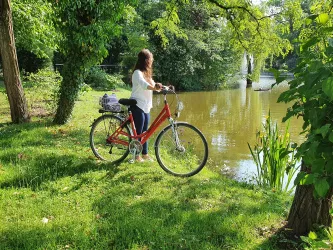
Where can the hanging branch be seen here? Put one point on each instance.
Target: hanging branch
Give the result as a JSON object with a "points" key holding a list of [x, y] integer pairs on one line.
{"points": [[231, 17], [244, 8], [238, 35]]}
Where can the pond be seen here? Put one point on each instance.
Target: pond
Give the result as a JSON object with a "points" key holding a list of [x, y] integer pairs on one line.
{"points": [[229, 119]]}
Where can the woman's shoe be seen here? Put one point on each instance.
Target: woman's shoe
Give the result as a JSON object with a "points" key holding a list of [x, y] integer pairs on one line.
{"points": [[139, 159], [147, 158]]}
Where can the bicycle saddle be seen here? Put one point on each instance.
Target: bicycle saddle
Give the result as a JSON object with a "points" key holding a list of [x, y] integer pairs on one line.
{"points": [[127, 102]]}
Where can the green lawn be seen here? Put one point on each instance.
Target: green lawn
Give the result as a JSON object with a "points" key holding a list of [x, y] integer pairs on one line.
{"points": [[56, 195]]}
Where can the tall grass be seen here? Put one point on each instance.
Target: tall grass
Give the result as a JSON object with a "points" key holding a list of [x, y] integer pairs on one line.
{"points": [[274, 156]]}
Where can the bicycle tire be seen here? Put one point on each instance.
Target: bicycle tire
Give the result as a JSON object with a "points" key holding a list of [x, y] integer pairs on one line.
{"points": [[184, 162], [101, 129]]}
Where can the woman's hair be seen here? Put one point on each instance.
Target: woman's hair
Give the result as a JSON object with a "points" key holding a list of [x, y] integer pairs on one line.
{"points": [[144, 64]]}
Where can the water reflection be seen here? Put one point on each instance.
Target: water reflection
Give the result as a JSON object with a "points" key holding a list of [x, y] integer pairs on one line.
{"points": [[230, 119]]}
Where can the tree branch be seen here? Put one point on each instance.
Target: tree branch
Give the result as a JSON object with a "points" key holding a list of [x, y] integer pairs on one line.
{"points": [[227, 8], [231, 16]]}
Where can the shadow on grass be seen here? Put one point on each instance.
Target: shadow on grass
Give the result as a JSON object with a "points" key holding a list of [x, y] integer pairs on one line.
{"points": [[37, 152], [283, 239], [50, 168], [181, 220], [8, 128], [44, 237], [128, 219], [184, 213], [40, 134]]}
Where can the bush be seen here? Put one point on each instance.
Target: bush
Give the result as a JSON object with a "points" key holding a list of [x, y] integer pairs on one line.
{"points": [[190, 84], [42, 91], [116, 80], [99, 79], [30, 62]]}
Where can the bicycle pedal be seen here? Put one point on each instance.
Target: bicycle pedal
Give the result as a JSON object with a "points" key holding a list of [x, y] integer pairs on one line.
{"points": [[131, 161]]}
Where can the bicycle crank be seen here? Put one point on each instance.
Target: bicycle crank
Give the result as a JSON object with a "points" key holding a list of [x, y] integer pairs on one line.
{"points": [[135, 149]]}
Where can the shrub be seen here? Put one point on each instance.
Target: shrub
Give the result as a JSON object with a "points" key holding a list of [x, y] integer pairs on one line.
{"points": [[99, 79], [42, 91], [84, 89], [30, 62], [116, 80]]}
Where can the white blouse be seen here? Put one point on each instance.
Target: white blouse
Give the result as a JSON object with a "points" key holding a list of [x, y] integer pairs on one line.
{"points": [[140, 93]]}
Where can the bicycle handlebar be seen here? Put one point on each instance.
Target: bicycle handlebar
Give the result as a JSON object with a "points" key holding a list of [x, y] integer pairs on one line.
{"points": [[169, 88]]}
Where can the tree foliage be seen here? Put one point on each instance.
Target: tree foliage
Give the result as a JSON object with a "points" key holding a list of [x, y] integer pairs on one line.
{"points": [[312, 94], [33, 26], [85, 27], [253, 31], [195, 56], [197, 43]]}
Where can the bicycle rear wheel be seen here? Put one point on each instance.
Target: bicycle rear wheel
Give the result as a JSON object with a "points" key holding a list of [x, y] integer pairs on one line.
{"points": [[101, 129], [182, 152]]}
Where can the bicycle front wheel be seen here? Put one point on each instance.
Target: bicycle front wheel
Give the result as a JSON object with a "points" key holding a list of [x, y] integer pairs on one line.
{"points": [[101, 129], [182, 151]]}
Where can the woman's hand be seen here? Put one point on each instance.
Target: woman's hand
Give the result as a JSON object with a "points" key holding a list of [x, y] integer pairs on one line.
{"points": [[158, 86]]}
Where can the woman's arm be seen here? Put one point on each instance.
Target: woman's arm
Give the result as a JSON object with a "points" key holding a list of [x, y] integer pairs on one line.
{"points": [[140, 80], [156, 87]]}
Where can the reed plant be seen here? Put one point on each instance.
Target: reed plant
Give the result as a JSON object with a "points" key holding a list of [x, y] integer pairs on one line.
{"points": [[274, 156]]}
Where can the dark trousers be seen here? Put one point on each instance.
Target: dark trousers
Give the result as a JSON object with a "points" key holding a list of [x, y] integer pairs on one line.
{"points": [[141, 121]]}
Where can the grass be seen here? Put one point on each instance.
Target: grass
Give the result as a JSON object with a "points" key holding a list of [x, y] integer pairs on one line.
{"points": [[56, 195]]}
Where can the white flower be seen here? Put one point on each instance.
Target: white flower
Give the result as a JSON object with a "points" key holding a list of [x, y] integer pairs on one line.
{"points": [[45, 220]]}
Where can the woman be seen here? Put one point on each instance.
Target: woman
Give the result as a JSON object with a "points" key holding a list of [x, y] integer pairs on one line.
{"points": [[142, 91]]}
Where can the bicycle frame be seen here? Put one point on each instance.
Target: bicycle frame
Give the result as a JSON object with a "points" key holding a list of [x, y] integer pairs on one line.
{"points": [[180, 148], [163, 115]]}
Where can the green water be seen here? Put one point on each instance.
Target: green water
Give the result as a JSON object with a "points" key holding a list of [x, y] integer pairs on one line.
{"points": [[230, 118]]}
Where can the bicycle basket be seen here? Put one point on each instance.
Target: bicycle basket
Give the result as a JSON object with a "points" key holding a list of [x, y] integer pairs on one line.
{"points": [[110, 103]]}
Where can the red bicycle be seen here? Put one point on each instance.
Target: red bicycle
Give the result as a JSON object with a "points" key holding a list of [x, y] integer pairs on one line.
{"points": [[180, 148]]}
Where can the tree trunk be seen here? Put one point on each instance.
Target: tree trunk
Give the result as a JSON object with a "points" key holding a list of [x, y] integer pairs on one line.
{"points": [[307, 210], [69, 89], [249, 70], [17, 102]]}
